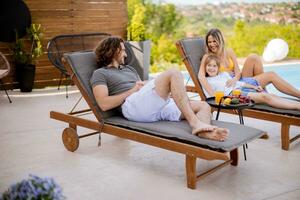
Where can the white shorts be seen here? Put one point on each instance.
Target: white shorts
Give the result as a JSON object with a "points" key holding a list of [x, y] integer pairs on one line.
{"points": [[147, 106]]}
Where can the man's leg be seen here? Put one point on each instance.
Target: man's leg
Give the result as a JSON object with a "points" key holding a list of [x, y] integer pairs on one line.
{"points": [[203, 112], [171, 81]]}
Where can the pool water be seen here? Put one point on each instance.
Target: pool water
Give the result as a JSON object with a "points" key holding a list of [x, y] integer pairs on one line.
{"points": [[289, 72]]}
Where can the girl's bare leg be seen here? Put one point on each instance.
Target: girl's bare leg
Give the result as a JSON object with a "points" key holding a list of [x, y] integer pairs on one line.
{"points": [[281, 84], [253, 66]]}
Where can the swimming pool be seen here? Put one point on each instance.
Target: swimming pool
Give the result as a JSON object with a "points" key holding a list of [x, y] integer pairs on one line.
{"points": [[290, 72]]}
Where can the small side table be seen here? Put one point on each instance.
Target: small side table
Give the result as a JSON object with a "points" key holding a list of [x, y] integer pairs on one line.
{"points": [[238, 108]]}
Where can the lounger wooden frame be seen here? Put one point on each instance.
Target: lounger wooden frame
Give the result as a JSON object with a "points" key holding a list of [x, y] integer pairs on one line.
{"points": [[285, 120], [191, 152]]}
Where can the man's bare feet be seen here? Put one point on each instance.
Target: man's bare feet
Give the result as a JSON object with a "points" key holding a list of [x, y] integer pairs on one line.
{"points": [[218, 134], [208, 131], [203, 128]]}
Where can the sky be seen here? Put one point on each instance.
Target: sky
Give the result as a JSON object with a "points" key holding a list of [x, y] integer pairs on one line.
{"points": [[197, 2]]}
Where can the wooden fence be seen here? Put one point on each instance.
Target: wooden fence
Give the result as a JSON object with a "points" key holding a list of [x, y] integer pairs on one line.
{"points": [[68, 17]]}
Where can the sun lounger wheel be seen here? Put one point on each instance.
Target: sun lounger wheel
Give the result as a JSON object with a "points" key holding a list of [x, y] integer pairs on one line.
{"points": [[70, 139]]}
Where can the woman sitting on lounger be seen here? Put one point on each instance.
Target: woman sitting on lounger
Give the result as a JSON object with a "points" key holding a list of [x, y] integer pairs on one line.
{"points": [[252, 67], [217, 81]]}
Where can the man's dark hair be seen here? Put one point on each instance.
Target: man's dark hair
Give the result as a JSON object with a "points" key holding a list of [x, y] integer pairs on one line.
{"points": [[107, 49]]}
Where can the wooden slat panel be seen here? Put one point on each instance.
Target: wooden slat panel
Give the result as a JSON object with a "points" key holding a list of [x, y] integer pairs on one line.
{"points": [[113, 14], [51, 13], [98, 5], [68, 17]]}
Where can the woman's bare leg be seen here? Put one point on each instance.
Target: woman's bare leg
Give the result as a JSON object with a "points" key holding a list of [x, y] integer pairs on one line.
{"points": [[274, 101], [281, 84], [253, 66]]}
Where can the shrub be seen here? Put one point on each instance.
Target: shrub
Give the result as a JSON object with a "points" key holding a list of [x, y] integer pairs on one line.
{"points": [[27, 52], [136, 29], [34, 188]]}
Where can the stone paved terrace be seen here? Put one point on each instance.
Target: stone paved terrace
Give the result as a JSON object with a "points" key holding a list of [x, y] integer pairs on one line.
{"points": [[30, 143]]}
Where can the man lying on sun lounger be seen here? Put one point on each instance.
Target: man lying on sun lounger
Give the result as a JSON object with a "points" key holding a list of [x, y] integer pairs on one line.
{"points": [[116, 85]]}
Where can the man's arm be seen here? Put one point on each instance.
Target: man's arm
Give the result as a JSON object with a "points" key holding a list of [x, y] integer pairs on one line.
{"points": [[107, 102]]}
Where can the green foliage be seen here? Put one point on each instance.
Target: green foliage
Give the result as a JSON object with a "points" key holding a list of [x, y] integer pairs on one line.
{"points": [[161, 19], [296, 7], [165, 50], [159, 23], [248, 38], [130, 7], [164, 25], [27, 52], [136, 28], [163, 66], [163, 28]]}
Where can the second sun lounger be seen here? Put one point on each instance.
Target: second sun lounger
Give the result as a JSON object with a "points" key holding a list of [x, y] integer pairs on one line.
{"points": [[192, 49]]}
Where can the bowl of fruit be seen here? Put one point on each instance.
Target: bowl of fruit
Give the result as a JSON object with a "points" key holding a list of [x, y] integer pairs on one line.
{"points": [[237, 101]]}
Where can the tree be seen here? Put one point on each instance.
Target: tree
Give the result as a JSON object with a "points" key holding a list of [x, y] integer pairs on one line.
{"points": [[249, 38], [130, 7], [161, 19], [136, 28]]}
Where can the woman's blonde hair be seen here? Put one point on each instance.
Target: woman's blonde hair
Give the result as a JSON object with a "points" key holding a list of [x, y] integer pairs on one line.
{"points": [[217, 35]]}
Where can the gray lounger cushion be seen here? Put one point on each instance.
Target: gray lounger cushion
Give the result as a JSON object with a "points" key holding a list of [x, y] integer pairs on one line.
{"points": [[181, 131], [263, 107], [83, 65], [195, 49]]}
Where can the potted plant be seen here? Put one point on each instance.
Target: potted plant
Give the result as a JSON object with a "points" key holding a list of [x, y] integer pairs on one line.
{"points": [[138, 51], [25, 53]]}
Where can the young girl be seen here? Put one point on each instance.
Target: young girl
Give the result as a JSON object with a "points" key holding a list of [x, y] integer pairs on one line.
{"points": [[252, 89]]}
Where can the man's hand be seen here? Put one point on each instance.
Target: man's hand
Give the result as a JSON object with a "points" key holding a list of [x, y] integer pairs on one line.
{"points": [[231, 82], [138, 86]]}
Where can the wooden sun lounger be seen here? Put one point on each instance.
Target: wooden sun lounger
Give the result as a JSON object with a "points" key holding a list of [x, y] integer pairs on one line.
{"points": [[173, 136], [192, 49]]}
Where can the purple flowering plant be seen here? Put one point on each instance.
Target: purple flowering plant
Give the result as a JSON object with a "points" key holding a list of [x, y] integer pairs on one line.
{"points": [[34, 188]]}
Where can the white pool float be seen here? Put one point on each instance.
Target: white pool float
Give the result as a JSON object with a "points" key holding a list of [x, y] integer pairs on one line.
{"points": [[277, 49]]}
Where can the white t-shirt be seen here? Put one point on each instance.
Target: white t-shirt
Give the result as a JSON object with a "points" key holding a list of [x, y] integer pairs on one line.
{"points": [[218, 83]]}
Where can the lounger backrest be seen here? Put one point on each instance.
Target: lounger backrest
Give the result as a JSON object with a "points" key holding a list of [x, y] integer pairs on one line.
{"points": [[61, 44], [192, 51], [83, 64]]}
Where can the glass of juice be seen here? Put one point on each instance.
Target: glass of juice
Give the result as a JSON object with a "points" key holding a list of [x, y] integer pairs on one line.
{"points": [[218, 96]]}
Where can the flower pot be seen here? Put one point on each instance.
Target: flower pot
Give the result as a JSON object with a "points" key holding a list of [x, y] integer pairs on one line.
{"points": [[25, 76]]}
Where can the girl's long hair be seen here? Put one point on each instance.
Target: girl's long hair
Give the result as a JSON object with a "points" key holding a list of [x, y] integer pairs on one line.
{"points": [[107, 50]]}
